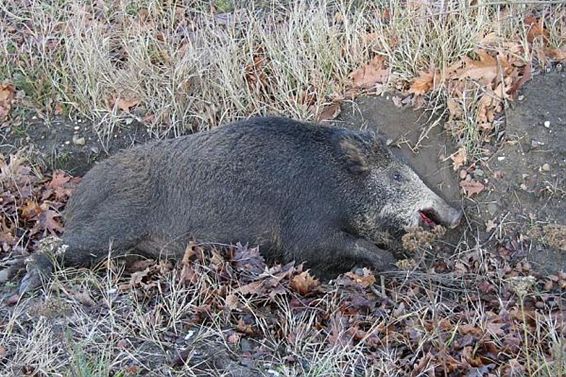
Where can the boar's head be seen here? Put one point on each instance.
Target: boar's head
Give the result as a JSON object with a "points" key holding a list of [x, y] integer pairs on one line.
{"points": [[389, 196]]}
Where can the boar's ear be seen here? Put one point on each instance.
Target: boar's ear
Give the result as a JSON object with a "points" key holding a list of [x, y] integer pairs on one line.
{"points": [[354, 153]]}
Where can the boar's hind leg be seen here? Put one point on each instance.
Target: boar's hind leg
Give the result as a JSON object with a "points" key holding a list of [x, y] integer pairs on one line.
{"points": [[78, 252]]}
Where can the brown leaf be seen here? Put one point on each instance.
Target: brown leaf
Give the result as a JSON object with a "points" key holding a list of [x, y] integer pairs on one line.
{"points": [[496, 328], [192, 251], [7, 95], [484, 70], [137, 277], [536, 29], [558, 54], [423, 84], [48, 220], [469, 329], [62, 185], [244, 327], [255, 72], [30, 210], [471, 187], [365, 280], [422, 364], [468, 355], [125, 104], [251, 288], [248, 259], [232, 301], [304, 283], [329, 112], [459, 158], [188, 274], [59, 179], [372, 73]]}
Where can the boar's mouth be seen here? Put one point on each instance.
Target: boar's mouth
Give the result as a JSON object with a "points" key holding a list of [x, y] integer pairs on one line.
{"points": [[429, 218]]}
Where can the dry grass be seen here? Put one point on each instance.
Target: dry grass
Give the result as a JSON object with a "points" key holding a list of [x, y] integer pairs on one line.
{"points": [[188, 68], [89, 324]]}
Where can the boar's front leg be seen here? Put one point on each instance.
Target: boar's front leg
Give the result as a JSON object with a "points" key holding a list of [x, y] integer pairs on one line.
{"points": [[342, 251], [366, 253]]}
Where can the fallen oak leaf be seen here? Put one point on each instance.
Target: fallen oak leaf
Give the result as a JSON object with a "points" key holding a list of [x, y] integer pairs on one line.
{"points": [[484, 69], [304, 283], [59, 179], [459, 158], [30, 210], [423, 84], [472, 187], [47, 220], [371, 74], [62, 185]]}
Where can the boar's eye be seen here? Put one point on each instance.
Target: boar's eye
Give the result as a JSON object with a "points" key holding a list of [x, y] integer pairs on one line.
{"points": [[397, 176]]}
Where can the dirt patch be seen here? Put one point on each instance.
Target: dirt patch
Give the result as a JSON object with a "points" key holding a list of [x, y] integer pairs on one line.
{"points": [[524, 206], [70, 145]]}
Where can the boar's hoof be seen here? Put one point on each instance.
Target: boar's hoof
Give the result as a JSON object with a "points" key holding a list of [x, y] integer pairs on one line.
{"points": [[39, 268]]}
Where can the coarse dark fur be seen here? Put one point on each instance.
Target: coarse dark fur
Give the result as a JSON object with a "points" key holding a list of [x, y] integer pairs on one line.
{"points": [[300, 191]]}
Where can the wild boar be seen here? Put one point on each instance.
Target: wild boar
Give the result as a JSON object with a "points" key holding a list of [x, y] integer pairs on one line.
{"points": [[305, 192]]}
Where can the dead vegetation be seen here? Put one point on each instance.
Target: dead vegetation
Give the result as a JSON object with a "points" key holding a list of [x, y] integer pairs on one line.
{"points": [[192, 66], [178, 67], [224, 310]]}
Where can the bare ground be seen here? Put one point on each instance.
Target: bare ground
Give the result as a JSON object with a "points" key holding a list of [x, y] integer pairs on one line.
{"points": [[525, 178]]}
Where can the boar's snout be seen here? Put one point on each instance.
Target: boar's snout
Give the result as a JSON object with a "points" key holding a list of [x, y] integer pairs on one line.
{"points": [[442, 214]]}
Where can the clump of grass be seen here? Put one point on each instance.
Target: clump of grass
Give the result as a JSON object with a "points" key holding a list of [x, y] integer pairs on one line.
{"points": [[187, 67]]}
